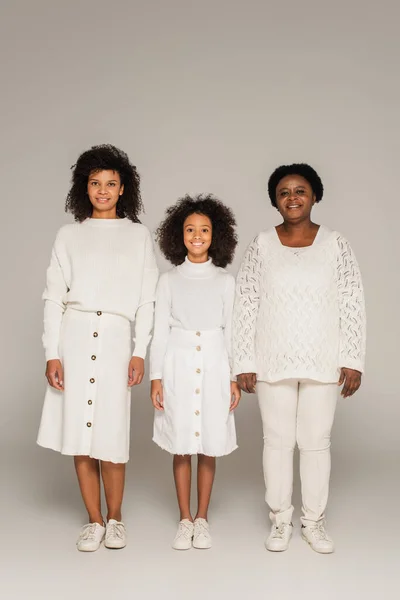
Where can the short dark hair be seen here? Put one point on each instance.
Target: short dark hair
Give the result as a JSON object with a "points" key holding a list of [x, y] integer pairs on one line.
{"points": [[224, 239], [104, 157], [301, 169]]}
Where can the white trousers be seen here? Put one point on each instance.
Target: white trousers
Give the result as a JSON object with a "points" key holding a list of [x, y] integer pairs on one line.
{"points": [[303, 412]]}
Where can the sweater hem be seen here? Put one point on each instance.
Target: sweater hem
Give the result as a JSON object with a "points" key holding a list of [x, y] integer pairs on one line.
{"points": [[315, 376]]}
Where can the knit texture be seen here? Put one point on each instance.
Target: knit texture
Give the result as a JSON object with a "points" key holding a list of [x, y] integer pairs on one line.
{"points": [[299, 312], [103, 265]]}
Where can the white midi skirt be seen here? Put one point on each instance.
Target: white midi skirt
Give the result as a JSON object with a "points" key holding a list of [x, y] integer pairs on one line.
{"points": [[91, 417], [196, 385]]}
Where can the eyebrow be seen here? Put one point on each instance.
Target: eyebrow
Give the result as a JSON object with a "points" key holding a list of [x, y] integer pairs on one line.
{"points": [[301, 185], [192, 225], [108, 181]]}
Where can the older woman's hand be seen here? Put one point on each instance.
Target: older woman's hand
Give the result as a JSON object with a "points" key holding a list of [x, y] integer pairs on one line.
{"points": [[351, 380], [247, 382]]}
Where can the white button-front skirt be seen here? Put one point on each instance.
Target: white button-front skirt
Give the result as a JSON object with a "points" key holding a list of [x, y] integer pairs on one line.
{"points": [[196, 386], [92, 416]]}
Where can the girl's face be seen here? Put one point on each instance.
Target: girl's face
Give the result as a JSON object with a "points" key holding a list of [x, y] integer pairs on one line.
{"points": [[197, 237], [104, 189], [294, 198]]}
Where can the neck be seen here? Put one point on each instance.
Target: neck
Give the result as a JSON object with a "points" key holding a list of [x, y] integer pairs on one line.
{"points": [[298, 228], [105, 214], [202, 258]]}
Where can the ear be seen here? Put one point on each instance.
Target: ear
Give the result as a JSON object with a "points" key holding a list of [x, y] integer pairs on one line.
{"points": [[121, 190]]}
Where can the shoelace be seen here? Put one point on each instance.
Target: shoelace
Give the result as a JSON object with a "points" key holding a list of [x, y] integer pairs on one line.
{"points": [[279, 531], [88, 532], [201, 527], [185, 531], [115, 530], [318, 531]]}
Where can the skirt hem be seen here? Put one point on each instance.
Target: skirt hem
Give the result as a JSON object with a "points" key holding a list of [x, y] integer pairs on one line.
{"points": [[213, 455], [65, 452]]}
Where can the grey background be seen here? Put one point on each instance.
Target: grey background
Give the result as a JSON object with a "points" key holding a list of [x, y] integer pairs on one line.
{"points": [[204, 96]]}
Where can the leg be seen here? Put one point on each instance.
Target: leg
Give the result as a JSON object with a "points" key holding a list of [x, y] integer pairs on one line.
{"points": [[88, 472], [317, 404], [113, 476], [205, 480], [278, 407], [182, 466]]}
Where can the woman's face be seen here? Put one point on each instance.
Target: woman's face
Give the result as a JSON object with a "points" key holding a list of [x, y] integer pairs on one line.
{"points": [[104, 189], [294, 198], [197, 237]]}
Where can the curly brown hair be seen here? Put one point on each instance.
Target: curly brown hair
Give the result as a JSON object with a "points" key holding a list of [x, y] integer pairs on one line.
{"points": [[104, 158], [169, 234]]}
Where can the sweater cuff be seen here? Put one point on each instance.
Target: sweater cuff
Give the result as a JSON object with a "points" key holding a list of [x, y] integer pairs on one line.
{"points": [[155, 376], [52, 354], [140, 350], [351, 363], [248, 367]]}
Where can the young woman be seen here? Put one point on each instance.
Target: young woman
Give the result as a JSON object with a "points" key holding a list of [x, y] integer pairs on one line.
{"points": [[102, 276], [192, 388], [299, 331]]}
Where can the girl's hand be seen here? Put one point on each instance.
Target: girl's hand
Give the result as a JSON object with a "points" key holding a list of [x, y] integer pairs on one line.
{"points": [[135, 371], [55, 374], [235, 395], [351, 379], [157, 396], [247, 382]]}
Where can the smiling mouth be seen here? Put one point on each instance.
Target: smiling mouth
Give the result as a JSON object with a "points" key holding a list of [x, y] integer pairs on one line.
{"points": [[102, 200], [197, 244], [291, 206]]}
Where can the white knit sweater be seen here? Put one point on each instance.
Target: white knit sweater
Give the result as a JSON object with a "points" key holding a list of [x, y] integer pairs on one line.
{"points": [[299, 312], [101, 264], [192, 296]]}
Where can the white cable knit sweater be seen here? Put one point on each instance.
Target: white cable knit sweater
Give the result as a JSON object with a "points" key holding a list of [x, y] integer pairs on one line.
{"points": [[101, 264], [299, 312]]}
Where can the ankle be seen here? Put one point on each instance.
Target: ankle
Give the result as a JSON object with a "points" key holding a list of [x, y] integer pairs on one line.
{"points": [[186, 516], [116, 516], [96, 519], [201, 516]]}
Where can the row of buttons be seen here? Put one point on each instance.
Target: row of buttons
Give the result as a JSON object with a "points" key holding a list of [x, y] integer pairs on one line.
{"points": [[93, 357]]}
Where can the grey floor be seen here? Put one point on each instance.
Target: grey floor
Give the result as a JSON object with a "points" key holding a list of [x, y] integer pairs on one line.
{"points": [[42, 512]]}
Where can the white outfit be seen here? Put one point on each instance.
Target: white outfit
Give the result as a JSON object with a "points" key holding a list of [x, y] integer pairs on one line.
{"points": [[190, 352], [299, 312], [303, 412], [299, 317], [101, 277]]}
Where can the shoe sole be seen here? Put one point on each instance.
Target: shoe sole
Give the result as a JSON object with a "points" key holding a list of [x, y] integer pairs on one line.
{"points": [[317, 551], [276, 550], [110, 547]]}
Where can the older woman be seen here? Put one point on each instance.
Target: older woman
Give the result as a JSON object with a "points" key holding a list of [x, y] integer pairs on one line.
{"points": [[298, 333]]}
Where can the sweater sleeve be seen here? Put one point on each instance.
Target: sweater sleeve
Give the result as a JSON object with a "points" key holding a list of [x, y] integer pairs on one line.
{"points": [[229, 298], [351, 309], [145, 310], [247, 300], [159, 343], [54, 297]]}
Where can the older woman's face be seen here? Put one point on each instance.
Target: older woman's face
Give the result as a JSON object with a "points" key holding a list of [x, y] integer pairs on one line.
{"points": [[294, 198]]}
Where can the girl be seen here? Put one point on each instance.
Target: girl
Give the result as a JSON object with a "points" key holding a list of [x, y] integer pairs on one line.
{"points": [[101, 277], [191, 387]]}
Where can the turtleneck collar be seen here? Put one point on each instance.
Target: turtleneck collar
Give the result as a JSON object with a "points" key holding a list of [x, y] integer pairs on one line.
{"points": [[197, 270]]}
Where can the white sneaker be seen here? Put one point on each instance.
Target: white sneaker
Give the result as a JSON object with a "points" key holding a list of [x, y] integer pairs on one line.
{"points": [[201, 536], [279, 538], [318, 538], [115, 535], [184, 535], [90, 537]]}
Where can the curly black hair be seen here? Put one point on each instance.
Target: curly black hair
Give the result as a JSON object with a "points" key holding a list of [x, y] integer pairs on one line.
{"points": [[104, 158], [224, 239], [301, 169]]}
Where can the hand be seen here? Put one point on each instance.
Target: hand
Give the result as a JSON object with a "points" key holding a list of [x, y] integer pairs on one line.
{"points": [[55, 374], [157, 395], [247, 382], [235, 396], [135, 371], [351, 379]]}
